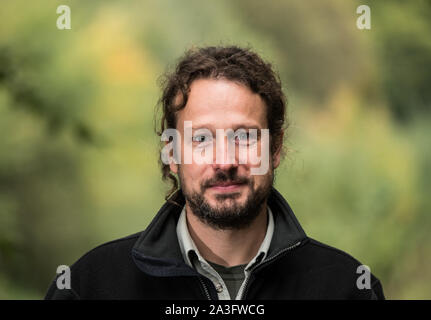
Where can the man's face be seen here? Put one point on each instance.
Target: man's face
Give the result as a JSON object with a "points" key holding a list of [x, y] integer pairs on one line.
{"points": [[224, 195]]}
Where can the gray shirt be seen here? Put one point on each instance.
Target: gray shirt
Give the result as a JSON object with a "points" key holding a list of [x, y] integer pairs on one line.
{"points": [[233, 277], [194, 259]]}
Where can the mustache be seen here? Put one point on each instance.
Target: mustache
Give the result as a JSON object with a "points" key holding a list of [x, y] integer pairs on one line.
{"points": [[226, 177]]}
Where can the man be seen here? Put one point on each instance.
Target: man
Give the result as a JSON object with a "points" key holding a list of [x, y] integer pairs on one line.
{"points": [[225, 232]]}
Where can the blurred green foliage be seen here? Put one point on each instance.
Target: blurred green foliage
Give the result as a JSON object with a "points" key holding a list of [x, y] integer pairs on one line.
{"points": [[78, 155]]}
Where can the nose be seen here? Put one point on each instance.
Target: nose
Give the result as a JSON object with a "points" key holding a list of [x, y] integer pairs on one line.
{"points": [[225, 157]]}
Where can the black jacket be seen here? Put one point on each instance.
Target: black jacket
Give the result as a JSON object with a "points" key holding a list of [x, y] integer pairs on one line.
{"points": [[149, 265]]}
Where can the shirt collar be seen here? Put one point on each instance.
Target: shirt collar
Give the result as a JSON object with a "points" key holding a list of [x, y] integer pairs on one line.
{"points": [[188, 246]]}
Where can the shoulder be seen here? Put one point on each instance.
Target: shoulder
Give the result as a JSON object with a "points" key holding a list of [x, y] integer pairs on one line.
{"points": [[325, 254], [115, 248], [99, 267], [333, 272], [106, 260], [315, 255]]}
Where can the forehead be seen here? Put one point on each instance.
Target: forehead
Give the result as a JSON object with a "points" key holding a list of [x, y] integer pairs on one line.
{"points": [[220, 103]]}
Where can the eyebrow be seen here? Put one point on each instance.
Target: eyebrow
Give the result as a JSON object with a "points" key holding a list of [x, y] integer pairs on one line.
{"points": [[234, 128]]}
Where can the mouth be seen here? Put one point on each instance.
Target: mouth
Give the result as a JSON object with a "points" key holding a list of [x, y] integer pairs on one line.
{"points": [[226, 187]]}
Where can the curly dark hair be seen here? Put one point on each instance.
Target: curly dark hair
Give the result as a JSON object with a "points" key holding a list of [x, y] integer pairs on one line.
{"points": [[240, 65]]}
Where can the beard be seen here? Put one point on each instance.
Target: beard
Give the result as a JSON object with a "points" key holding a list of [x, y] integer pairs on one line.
{"points": [[228, 214]]}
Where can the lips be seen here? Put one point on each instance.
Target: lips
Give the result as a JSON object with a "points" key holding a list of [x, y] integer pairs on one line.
{"points": [[226, 186]]}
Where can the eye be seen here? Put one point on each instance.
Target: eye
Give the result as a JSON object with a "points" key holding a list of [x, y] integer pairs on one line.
{"points": [[245, 138], [200, 138]]}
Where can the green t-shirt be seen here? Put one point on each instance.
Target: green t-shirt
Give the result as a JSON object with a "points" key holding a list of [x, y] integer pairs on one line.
{"points": [[232, 277]]}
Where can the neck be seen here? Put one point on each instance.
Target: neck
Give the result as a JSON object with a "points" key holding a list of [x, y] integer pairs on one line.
{"points": [[228, 247]]}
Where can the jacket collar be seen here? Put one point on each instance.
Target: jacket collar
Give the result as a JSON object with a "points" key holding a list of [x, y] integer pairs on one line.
{"points": [[157, 251]]}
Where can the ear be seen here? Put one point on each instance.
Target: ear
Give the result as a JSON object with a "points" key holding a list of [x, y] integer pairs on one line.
{"points": [[174, 167], [276, 158]]}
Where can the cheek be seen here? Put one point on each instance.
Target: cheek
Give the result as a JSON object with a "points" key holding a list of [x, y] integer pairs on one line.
{"points": [[254, 154], [192, 174], [261, 180]]}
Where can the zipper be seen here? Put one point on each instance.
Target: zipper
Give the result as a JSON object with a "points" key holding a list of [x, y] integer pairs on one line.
{"points": [[205, 288], [266, 262]]}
